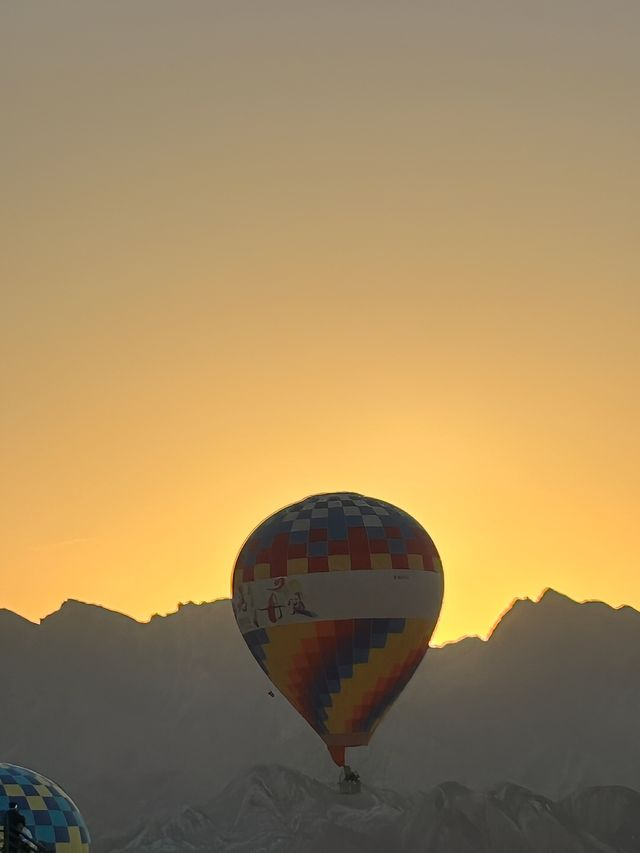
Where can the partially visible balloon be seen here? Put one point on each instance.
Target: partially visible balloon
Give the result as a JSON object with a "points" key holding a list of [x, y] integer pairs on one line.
{"points": [[337, 597], [50, 815]]}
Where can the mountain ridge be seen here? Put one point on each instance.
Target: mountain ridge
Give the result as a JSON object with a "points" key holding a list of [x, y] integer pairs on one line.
{"points": [[141, 718], [71, 607]]}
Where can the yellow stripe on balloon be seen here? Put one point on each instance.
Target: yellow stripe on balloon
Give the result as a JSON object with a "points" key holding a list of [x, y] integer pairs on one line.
{"points": [[353, 691], [74, 845], [284, 646]]}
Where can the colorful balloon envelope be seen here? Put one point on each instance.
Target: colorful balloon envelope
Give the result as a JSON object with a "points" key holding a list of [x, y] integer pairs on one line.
{"points": [[50, 815], [337, 597]]}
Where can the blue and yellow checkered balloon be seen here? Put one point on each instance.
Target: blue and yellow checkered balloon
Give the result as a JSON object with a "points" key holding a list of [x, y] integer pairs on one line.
{"points": [[50, 814]]}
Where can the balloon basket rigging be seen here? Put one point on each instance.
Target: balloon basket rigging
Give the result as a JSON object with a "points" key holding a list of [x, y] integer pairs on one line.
{"points": [[348, 781]]}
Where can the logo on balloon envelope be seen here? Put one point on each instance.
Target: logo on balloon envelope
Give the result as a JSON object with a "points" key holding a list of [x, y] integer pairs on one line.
{"points": [[257, 605], [345, 595]]}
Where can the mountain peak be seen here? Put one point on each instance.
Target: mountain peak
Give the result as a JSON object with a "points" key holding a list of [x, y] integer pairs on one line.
{"points": [[14, 621], [79, 613], [549, 607], [551, 597], [554, 612]]}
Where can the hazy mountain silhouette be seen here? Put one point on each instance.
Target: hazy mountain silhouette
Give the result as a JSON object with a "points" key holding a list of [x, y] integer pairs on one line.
{"points": [[139, 721], [277, 809]]}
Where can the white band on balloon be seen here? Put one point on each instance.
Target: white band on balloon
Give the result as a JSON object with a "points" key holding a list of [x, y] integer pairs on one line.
{"points": [[368, 594]]}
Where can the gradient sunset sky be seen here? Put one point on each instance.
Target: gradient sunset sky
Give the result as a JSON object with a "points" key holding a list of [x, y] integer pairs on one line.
{"points": [[257, 250]]}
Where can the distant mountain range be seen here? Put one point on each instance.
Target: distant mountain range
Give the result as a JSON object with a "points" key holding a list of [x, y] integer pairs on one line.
{"points": [[142, 720], [273, 809]]}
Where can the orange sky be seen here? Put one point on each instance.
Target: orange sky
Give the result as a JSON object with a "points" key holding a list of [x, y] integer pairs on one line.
{"points": [[255, 251]]}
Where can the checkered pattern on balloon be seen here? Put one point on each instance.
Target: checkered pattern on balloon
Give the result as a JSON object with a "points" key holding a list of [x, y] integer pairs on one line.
{"points": [[49, 813], [337, 597]]}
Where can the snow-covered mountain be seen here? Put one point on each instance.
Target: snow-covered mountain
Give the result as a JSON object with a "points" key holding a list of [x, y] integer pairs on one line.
{"points": [[275, 809], [138, 721]]}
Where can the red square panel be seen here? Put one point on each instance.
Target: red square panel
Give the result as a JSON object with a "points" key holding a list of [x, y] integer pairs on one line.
{"points": [[419, 544], [318, 534], [359, 548], [399, 561], [318, 564], [338, 546], [297, 549], [279, 555]]}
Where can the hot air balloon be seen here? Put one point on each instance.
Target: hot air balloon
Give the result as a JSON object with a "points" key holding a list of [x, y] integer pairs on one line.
{"points": [[337, 597], [50, 816]]}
